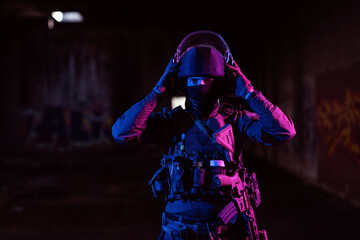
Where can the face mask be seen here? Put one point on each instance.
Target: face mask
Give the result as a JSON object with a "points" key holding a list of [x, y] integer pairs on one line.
{"points": [[202, 98]]}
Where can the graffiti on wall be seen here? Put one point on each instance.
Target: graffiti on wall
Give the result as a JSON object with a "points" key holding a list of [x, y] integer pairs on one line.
{"points": [[339, 124]]}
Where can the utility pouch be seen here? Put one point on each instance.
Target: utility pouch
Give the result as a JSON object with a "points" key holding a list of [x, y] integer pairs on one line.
{"points": [[177, 179], [159, 182], [199, 177]]}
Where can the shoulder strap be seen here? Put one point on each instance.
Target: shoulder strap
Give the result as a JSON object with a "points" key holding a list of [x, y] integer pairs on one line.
{"points": [[207, 131]]}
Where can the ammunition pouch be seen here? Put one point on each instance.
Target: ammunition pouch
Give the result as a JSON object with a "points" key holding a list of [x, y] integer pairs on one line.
{"points": [[159, 182]]}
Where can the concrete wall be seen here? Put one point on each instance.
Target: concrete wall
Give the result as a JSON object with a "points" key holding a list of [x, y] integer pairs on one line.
{"points": [[309, 66]]}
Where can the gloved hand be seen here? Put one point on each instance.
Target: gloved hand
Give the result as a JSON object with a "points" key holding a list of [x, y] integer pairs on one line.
{"points": [[166, 84], [243, 85]]}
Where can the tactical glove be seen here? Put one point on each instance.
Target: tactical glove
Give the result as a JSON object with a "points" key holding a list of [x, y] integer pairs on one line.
{"points": [[243, 85], [166, 84]]}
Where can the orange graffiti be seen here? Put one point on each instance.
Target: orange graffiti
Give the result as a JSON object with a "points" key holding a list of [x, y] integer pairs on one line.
{"points": [[339, 124]]}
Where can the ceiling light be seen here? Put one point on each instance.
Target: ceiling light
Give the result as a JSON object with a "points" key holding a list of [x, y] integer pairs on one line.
{"points": [[72, 17], [57, 15]]}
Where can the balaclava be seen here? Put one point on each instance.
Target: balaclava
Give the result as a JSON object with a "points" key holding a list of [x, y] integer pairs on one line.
{"points": [[202, 100]]}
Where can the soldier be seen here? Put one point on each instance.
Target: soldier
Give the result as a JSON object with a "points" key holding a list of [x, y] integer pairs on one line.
{"points": [[208, 193]]}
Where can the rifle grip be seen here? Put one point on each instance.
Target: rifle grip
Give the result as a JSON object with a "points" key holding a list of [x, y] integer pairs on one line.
{"points": [[221, 180]]}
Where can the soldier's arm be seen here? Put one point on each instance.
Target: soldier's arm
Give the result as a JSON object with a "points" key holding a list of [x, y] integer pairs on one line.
{"points": [[139, 123], [130, 126], [268, 124]]}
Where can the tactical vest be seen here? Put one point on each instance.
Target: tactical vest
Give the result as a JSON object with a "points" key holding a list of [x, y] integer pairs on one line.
{"points": [[193, 160]]}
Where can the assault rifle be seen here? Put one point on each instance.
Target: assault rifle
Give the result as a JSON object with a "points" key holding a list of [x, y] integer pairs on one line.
{"points": [[245, 194]]}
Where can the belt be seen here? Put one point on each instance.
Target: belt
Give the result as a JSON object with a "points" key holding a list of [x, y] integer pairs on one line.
{"points": [[189, 220], [182, 226]]}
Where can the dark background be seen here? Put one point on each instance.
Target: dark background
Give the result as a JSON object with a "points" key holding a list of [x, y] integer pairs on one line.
{"points": [[62, 176]]}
